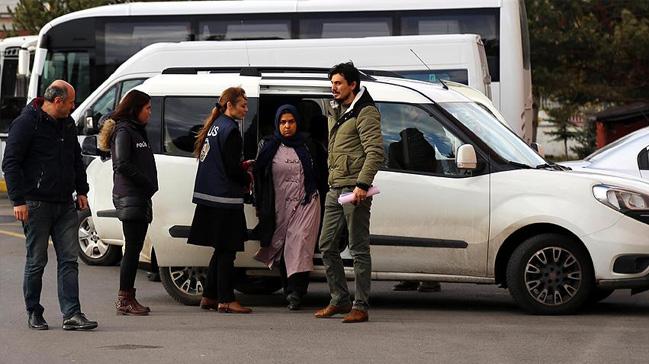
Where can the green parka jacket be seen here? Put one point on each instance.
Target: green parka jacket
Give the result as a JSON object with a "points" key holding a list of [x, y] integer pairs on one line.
{"points": [[355, 142]]}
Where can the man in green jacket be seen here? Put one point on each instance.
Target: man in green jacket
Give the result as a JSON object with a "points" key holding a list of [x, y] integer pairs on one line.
{"points": [[355, 155]]}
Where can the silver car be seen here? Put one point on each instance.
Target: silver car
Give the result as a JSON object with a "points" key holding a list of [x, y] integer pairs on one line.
{"points": [[628, 155]]}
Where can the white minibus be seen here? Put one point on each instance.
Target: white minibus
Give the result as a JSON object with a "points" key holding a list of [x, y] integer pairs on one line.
{"points": [[458, 58]]}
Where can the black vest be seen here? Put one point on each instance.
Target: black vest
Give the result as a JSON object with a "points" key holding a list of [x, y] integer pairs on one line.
{"points": [[212, 186]]}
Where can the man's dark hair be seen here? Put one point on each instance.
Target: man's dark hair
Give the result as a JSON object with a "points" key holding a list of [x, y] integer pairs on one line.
{"points": [[52, 92], [349, 73]]}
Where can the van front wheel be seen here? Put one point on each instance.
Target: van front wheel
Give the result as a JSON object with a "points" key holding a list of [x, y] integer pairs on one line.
{"points": [[550, 274], [184, 284]]}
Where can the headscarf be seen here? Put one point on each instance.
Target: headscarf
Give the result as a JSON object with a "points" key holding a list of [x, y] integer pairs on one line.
{"points": [[297, 142]]}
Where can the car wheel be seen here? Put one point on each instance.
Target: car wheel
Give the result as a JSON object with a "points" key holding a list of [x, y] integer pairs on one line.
{"points": [[256, 284], [184, 284], [93, 250], [550, 274]]}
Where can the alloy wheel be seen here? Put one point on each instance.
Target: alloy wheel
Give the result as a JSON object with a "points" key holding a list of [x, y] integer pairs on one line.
{"points": [[89, 241], [188, 280], [553, 276]]}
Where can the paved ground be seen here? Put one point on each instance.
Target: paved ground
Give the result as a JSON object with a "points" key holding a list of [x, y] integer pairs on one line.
{"points": [[463, 323]]}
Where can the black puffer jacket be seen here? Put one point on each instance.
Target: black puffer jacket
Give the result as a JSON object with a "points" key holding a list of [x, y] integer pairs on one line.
{"points": [[42, 159], [135, 178]]}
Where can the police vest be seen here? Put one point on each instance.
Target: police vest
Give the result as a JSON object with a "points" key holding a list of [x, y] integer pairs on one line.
{"points": [[212, 186]]}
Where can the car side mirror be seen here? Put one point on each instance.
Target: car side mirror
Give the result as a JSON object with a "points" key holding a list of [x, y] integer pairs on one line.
{"points": [[538, 148], [89, 145], [89, 125], [466, 157]]}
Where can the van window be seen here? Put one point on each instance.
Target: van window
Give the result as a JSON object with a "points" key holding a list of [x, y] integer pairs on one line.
{"points": [[183, 119], [244, 29], [105, 104], [128, 85], [415, 141]]}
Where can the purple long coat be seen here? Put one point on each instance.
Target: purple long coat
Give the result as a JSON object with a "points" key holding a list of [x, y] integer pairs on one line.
{"points": [[297, 225]]}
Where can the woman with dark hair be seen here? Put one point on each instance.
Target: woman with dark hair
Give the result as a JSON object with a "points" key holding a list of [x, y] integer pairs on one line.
{"points": [[135, 181], [290, 178], [221, 180]]}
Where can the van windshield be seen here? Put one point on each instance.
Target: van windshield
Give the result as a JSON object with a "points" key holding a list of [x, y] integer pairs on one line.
{"points": [[496, 135]]}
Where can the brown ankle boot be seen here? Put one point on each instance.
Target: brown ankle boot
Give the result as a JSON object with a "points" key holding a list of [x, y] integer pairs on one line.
{"points": [[137, 304], [125, 306]]}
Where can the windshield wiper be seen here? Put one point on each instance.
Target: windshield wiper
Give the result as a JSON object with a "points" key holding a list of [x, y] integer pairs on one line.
{"points": [[552, 166], [519, 165]]}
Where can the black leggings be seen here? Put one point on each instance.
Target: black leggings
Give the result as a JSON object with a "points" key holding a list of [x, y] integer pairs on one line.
{"points": [[220, 277], [134, 233]]}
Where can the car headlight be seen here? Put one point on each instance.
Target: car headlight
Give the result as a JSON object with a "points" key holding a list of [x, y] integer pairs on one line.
{"points": [[631, 203]]}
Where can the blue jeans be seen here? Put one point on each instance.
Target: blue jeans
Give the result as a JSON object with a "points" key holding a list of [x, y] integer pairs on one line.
{"points": [[58, 220]]}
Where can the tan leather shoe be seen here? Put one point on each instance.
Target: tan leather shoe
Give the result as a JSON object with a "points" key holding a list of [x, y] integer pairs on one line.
{"points": [[233, 307], [356, 316], [332, 310], [209, 304]]}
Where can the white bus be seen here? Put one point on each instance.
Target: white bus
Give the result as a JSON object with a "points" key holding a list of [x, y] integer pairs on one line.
{"points": [[451, 57], [13, 87], [85, 47]]}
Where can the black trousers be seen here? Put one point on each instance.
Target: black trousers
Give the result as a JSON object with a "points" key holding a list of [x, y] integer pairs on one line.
{"points": [[134, 234], [296, 285], [220, 277]]}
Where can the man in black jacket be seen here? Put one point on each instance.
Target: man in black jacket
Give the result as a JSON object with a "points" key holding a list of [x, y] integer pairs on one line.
{"points": [[43, 168]]}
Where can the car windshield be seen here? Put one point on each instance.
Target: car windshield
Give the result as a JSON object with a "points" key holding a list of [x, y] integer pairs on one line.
{"points": [[610, 148], [496, 135]]}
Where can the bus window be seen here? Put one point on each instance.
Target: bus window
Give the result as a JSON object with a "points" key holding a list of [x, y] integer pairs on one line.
{"points": [[244, 29], [337, 26], [483, 22], [461, 76], [74, 67], [122, 40]]}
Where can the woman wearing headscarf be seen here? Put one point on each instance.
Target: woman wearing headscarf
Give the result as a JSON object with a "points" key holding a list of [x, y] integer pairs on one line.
{"points": [[290, 178], [134, 183], [221, 180]]}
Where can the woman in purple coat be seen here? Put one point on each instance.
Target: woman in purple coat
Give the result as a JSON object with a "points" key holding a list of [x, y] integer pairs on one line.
{"points": [[290, 178]]}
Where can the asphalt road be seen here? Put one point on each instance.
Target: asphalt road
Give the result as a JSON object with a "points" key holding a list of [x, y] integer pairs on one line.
{"points": [[463, 323]]}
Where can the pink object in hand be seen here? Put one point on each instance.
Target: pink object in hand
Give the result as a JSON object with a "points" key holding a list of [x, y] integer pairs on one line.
{"points": [[349, 197]]}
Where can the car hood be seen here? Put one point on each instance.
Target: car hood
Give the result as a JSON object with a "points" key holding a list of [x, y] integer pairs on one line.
{"points": [[612, 178], [575, 164]]}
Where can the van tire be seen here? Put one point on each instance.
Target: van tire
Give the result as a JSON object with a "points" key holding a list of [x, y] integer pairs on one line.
{"points": [[550, 274], [92, 250], [184, 284]]}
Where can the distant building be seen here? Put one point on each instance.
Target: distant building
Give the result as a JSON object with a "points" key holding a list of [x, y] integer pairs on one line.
{"points": [[5, 18], [616, 122]]}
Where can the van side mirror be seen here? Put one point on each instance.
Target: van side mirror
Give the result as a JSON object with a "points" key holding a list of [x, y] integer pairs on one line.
{"points": [[23, 62], [89, 125], [466, 157], [538, 148]]}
